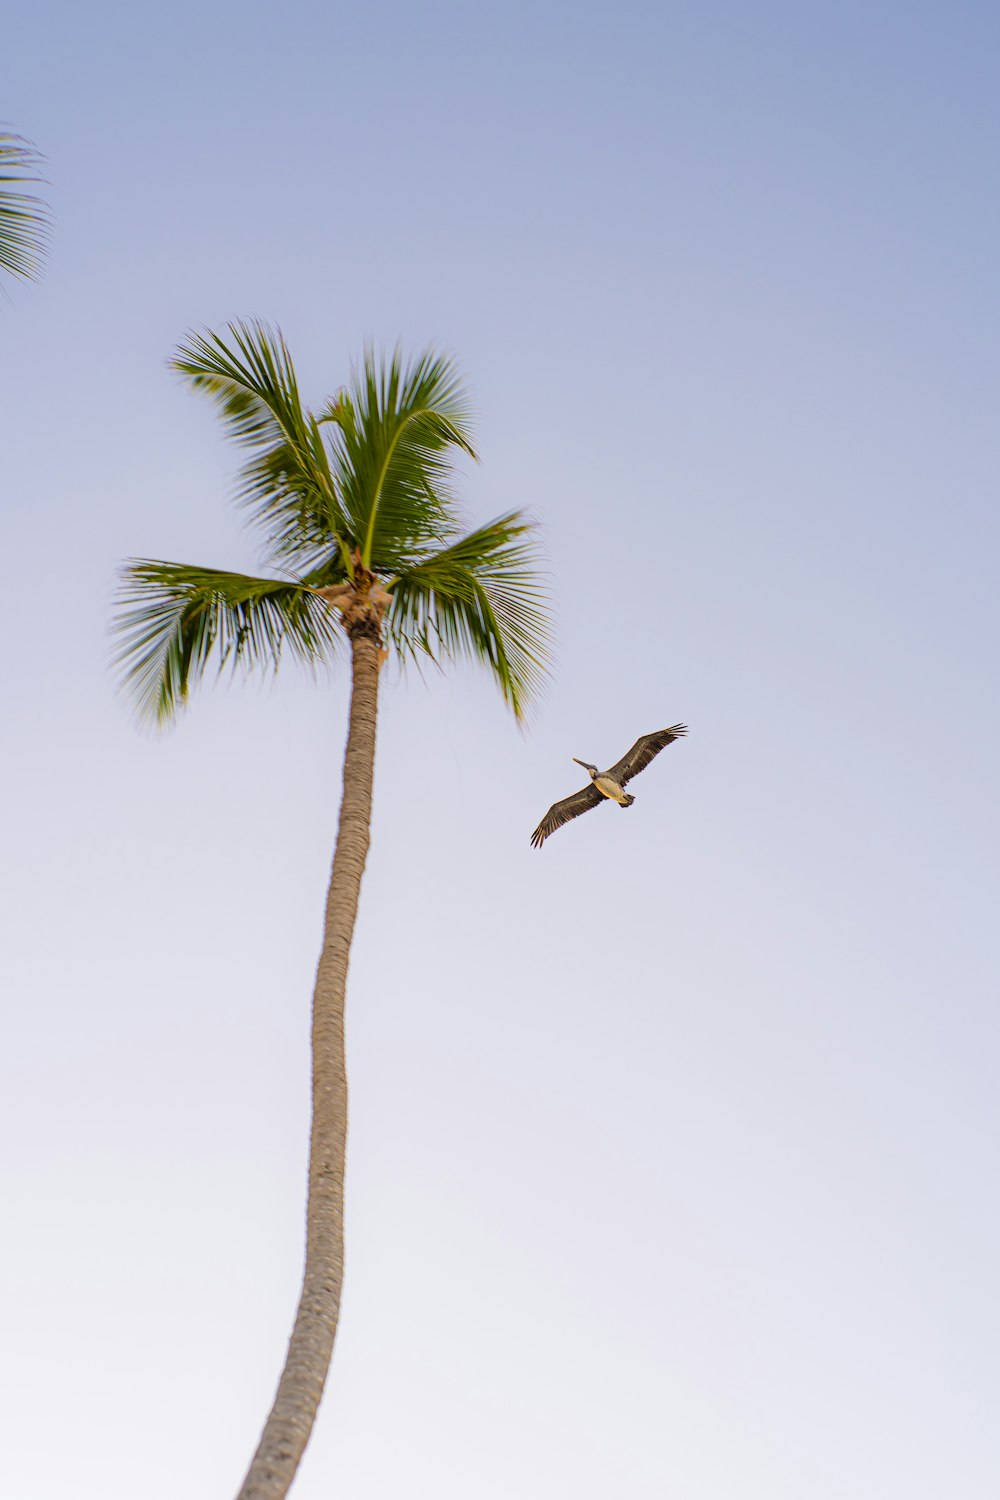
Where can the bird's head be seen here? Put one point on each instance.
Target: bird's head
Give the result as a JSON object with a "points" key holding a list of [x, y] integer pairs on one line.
{"points": [[586, 766]]}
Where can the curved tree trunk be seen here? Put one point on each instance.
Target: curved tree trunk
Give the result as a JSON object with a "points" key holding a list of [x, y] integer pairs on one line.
{"points": [[300, 1388]]}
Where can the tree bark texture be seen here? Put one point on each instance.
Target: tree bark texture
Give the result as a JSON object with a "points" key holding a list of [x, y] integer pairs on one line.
{"points": [[300, 1388]]}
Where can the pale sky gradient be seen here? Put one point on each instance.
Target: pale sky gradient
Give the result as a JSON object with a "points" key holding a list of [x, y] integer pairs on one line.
{"points": [[674, 1154]]}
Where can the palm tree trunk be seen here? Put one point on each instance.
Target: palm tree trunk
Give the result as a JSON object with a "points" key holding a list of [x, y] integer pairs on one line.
{"points": [[300, 1388]]}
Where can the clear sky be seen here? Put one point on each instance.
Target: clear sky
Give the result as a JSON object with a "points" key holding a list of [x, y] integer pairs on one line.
{"points": [[673, 1167]]}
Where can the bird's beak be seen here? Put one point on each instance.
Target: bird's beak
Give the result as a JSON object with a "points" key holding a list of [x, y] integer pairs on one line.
{"points": [[582, 763]]}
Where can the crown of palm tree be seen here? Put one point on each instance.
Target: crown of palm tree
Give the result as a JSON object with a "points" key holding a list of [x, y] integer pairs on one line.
{"points": [[24, 219], [354, 500]]}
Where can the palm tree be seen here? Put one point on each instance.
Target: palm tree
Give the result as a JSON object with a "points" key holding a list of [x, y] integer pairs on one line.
{"points": [[356, 513], [24, 219]]}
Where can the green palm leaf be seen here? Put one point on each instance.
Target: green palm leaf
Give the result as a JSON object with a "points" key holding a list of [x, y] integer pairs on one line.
{"points": [[479, 598], [369, 481], [172, 617], [395, 430], [287, 484], [24, 219]]}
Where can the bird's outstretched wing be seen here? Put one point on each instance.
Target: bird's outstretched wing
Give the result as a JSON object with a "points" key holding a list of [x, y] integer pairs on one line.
{"points": [[561, 812], [643, 751]]}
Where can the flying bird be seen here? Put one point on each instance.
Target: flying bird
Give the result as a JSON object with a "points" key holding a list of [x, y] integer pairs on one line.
{"points": [[606, 785]]}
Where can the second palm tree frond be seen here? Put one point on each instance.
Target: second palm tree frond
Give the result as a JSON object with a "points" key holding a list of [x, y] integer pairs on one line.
{"points": [[396, 430], [477, 597], [172, 617], [24, 218], [286, 483]]}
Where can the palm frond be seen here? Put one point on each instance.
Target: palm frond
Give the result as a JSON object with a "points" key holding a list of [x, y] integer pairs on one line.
{"points": [[395, 432], [24, 218], [287, 483], [480, 598], [171, 618]]}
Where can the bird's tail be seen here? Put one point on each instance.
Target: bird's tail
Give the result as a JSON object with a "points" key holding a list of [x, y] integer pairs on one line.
{"points": [[627, 800]]}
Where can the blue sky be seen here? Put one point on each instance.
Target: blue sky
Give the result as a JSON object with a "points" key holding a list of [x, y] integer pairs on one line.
{"points": [[672, 1148]]}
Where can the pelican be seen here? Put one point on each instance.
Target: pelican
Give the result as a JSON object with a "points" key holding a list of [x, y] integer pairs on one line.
{"points": [[606, 785]]}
